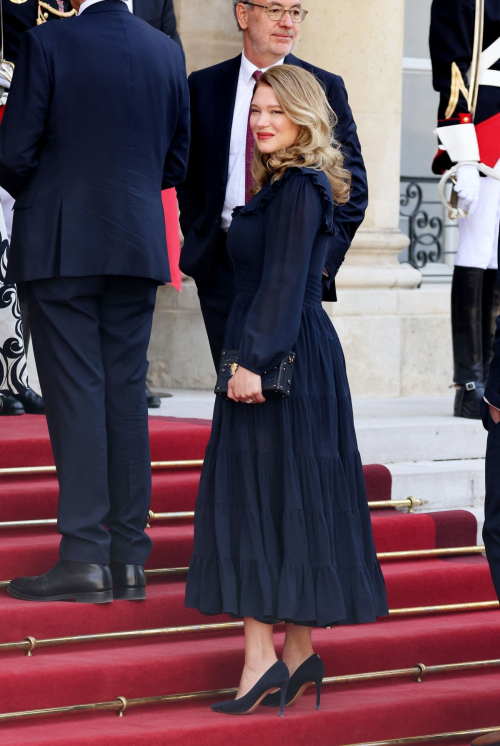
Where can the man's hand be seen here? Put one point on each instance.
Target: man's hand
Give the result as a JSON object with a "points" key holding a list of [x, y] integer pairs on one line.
{"points": [[467, 188], [246, 387], [495, 414]]}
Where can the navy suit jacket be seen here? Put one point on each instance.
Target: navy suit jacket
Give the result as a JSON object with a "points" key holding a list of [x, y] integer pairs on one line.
{"points": [[20, 18], [160, 14], [96, 124], [201, 197]]}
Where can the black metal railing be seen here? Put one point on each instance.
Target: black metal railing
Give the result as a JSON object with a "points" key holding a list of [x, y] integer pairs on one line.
{"points": [[423, 219]]}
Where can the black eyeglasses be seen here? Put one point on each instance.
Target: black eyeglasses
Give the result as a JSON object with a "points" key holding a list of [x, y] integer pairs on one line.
{"points": [[276, 12]]}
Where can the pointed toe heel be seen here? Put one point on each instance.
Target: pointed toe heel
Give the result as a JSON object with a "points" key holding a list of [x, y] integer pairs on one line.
{"points": [[318, 693], [312, 671], [276, 677], [283, 699]]}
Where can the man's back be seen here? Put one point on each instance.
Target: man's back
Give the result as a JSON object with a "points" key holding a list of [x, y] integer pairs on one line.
{"points": [[108, 112]]}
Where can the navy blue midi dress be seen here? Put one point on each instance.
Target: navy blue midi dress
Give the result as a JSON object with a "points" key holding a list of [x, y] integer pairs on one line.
{"points": [[282, 528]]}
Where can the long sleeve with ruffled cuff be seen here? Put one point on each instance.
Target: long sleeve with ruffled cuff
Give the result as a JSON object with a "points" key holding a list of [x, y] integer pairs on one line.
{"points": [[299, 209]]}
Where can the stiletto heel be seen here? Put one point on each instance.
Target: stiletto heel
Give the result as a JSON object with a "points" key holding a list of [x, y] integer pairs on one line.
{"points": [[283, 698], [312, 671], [277, 677], [318, 693]]}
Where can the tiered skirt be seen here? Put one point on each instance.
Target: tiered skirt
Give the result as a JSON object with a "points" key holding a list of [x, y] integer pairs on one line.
{"points": [[282, 524]]}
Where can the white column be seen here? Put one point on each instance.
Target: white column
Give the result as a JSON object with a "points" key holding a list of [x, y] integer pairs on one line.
{"points": [[362, 40]]}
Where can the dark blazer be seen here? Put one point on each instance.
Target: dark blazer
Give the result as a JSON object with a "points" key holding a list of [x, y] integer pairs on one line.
{"points": [[96, 124], [159, 14], [20, 18], [201, 197]]}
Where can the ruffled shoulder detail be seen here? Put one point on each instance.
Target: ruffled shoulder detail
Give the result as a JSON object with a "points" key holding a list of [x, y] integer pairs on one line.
{"points": [[259, 202]]}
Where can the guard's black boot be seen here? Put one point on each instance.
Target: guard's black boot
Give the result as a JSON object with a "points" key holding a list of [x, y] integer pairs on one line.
{"points": [[129, 582], [11, 407], [467, 333], [67, 581], [491, 309], [31, 401]]}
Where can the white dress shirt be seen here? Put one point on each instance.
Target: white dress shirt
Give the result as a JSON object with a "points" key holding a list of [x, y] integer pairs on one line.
{"points": [[88, 3], [235, 190]]}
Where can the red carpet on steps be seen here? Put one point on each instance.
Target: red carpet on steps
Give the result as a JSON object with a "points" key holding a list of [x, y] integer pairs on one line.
{"points": [[348, 715], [25, 440], [354, 713]]}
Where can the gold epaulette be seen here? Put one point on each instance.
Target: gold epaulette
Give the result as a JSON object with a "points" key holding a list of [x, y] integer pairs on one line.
{"points": [[457, 86], [45, 11]]}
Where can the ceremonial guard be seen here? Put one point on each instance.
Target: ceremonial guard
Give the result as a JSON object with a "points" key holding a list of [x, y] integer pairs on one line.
{"points": [[465, 53]]}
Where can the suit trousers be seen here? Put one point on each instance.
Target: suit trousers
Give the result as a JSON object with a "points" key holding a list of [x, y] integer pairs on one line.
{"points": [[90, 339], [216, 297], [491, 529]]}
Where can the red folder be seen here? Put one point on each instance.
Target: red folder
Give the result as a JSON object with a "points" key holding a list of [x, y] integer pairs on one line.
{"points": [[171, 210]]}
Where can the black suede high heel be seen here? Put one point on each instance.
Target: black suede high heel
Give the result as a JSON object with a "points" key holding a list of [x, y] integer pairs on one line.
{"points": [[312, 671], [276, 677]]}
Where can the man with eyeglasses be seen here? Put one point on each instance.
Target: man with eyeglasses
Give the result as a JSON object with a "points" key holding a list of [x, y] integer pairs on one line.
{"points": [[219, 176]]}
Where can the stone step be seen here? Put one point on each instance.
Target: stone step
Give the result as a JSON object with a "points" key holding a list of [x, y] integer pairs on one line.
{"points": [[446, 485], [418, 429], [389, 431]]}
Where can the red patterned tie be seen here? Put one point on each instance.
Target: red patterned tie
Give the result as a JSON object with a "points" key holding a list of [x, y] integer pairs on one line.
{"points": [[250, 150]]}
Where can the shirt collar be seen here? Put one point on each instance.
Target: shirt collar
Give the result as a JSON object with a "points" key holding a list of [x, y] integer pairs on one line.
{"points": [[247, 68], [87, 3]]}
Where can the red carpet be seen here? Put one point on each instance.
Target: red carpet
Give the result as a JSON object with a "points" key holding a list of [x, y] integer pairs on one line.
{"points": [[350, 713]]}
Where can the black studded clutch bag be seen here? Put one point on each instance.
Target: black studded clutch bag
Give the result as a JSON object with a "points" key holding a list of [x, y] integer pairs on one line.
{"points": [[276, 381]]}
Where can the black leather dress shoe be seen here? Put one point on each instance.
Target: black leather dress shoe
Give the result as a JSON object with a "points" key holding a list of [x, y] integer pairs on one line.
{"points": [[11, 407], [67, 581], [31, 401], [129, 582]]}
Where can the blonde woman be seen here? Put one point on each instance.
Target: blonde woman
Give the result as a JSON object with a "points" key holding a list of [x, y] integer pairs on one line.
{"points": [[282, 526]]}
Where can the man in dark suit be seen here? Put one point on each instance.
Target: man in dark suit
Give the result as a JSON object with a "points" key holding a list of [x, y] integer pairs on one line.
{"points": [[216, 181], [17, 19], [108, 127]]}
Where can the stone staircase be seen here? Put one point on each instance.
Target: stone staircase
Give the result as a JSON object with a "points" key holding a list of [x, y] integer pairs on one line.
{"points": [[431, 454]]}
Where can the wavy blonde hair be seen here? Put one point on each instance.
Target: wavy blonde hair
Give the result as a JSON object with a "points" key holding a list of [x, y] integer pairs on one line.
{"points": [[304, 102]]}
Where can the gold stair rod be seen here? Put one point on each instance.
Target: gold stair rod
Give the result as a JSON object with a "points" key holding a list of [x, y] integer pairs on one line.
{"points": [[423, 553], [29, 644], [412, 554], [19, 470], [409, 502], [120, 704]]}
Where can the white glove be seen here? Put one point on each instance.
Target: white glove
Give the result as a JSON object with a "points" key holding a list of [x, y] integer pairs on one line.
{"points": [[467, 188]]}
